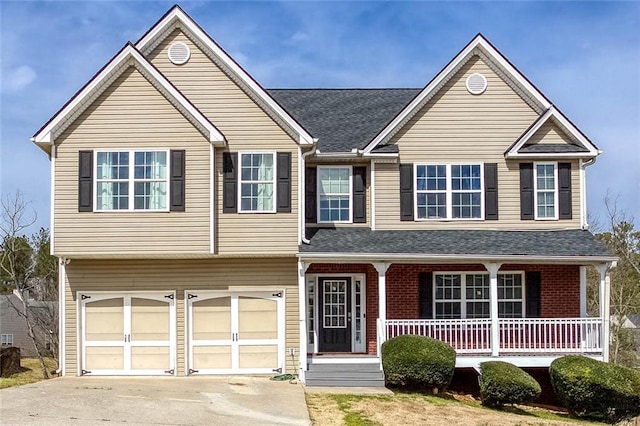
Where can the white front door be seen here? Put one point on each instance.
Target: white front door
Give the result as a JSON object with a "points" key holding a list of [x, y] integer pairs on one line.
{"points": [[128, 333], [235, 332]]}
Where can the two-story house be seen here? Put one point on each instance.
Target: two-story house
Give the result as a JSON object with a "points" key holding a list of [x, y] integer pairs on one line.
{"points": [[207, 225]]}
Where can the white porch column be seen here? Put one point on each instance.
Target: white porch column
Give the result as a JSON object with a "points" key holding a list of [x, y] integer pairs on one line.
{"points": [[381, 268], [583, 292], [493, 298], [605, 313], [302, 310]]}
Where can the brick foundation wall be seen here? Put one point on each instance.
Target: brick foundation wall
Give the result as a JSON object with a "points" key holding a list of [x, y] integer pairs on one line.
{"points": [[559, 290]]}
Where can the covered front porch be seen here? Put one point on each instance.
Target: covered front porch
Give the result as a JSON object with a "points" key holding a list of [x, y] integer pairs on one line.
{"points": [[524, 309]]}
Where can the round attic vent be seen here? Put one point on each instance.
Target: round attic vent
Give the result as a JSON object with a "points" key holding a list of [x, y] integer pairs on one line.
{"points": [[179, 53], [476, 84]]}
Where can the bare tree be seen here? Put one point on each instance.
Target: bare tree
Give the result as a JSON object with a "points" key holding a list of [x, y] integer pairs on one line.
{"points": [[17, 264], [623, 241]]}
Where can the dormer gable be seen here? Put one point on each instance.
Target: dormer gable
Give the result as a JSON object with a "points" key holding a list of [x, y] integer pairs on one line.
{"points": [[552, 135], [128, 56]]}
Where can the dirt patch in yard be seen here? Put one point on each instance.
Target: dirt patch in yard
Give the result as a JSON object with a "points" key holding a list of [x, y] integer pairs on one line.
{"points": [[415, 409]]}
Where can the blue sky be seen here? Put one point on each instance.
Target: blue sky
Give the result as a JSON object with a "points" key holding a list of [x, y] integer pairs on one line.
{"points": [[585, 56]]}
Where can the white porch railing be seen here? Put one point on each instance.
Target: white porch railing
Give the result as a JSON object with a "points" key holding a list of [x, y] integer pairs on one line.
{"points": [[517, 335], [557, 335], [466, 336]]}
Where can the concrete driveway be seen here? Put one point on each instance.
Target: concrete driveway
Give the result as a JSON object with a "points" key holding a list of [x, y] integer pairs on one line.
{"points": [[155, 401]]}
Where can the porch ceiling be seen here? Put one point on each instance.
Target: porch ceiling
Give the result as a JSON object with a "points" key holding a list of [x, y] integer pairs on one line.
{"points": [[566, 246]]}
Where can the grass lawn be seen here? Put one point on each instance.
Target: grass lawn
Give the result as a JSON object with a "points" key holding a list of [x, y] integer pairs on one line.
{"points": [[30, 373], [418, 409]]}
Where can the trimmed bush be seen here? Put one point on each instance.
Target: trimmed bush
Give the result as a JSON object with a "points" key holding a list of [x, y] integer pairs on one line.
{"points": [[418, 362], [504, 383], [594, 389]]}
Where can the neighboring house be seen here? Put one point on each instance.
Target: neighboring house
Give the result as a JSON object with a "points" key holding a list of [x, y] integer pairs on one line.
{"points": [[207, 225], [13, 327], [632, 322]]}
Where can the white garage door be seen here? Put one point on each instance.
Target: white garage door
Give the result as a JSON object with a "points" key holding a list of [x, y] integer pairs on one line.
{"points": [[128, 334], [235, 332]]}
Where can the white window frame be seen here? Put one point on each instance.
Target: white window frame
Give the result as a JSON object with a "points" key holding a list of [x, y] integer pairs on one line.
{"points": [[463, 291], [318, 185], [449, 192], [6, 339], [536, 190], [273, 181], [131, 181]]}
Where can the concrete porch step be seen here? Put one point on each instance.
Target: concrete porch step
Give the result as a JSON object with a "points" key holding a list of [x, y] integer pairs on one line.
{"points": [[347, 374]]}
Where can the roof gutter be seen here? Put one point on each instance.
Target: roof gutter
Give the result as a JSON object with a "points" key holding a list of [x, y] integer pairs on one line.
{"points": [[452, 258]]}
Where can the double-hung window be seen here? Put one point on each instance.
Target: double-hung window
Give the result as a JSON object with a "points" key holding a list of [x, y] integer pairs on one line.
{"points": [[466, 295], [449, 191], [334, 194], [546, 190], [257, 182], [131, 180]]}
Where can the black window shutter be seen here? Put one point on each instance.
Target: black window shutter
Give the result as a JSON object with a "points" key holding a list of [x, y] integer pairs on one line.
{"points": [[229, 182], [406, 192], [177, 180], [425, 295], [284, 182], [564, 196], [532, 283], [359, 194], [310, 206], [526, 191], [491, 191], [85, 181]]}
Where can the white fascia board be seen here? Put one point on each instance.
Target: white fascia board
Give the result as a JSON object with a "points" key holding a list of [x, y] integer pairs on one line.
{"points": [[116, 65], [177, 14], [565, 124], [449, 258], [479, 42]]}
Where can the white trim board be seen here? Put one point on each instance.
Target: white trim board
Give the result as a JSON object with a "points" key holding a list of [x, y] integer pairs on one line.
{"points": [[176, 17]]}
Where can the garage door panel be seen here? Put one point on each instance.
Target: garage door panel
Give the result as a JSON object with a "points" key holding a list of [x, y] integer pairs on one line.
{"points": [[150, 358], [212, 357], [257, 318], [263, 356], [150, 319], [104, 320], [212, 319], [104, 358]]}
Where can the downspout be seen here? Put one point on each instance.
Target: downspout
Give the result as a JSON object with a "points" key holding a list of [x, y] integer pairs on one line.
{"points": [[303, 190], [583, 191]]}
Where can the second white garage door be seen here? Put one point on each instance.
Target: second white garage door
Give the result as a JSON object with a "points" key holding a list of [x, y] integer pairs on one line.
{"points": [[235, 332]]}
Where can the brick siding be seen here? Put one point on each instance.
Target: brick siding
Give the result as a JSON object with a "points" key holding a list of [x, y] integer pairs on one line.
{"points": [[559, 289]]}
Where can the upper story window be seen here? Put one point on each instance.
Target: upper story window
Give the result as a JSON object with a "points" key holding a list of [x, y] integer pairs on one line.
{"points": [[546, 190], [131, 180], [466, 295], [449, 191], [334, 194], [257, 182]]}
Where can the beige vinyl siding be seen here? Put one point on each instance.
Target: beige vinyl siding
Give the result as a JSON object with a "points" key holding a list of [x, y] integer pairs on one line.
{"points": [[456, 126], [549, 133], [247, 128], [178, 276], [131, 114]]}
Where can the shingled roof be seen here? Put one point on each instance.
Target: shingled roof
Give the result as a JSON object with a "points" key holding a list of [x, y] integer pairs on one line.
{"points": [[344, 119], [483, 243]]}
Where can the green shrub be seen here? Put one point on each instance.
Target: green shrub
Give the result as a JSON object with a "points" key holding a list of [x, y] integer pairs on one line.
{"points": [[503, 383], [418, 362], [594, 389]]}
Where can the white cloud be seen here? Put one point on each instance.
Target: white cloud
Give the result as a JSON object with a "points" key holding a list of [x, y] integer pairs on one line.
{"points": [[18, 78], [299, 36]]}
